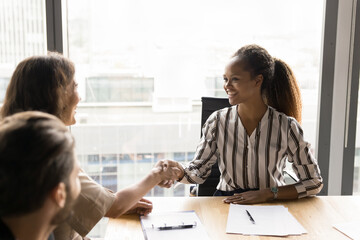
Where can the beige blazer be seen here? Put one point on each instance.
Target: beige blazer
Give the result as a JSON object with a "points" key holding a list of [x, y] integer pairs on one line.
{"points": [[93, 203]]}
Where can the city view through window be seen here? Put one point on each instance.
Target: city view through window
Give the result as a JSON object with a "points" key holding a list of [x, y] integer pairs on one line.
{"points": [[142, 71]]}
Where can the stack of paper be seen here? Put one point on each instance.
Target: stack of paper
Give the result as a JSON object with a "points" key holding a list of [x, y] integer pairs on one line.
{"points": [[269, 220], [152, 224]]}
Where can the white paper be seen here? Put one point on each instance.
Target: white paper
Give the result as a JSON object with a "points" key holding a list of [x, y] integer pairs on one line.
{"points": [[350, 229], [173, 219], [269, 220]]}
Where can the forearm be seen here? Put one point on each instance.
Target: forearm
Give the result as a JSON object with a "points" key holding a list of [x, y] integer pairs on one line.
{"points": [[129, 196], [264, 195]]}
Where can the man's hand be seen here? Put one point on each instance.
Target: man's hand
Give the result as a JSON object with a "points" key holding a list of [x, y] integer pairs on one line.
{"points": [[142, 207]]}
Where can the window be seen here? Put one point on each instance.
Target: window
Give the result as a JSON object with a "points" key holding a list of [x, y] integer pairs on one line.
{"points": [[356, 187], [119, 89], [22, 34], [3, 85], [142, 71]]}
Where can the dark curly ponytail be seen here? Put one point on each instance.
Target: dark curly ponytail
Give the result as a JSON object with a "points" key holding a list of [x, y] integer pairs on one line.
{"points": [[279, 88]]}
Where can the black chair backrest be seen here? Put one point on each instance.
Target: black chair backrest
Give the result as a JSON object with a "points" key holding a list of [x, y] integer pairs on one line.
{"points": [[210, 105]]}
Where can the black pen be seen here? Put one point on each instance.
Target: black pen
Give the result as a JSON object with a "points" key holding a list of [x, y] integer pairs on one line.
{"points": [[251, 218], [176, 227]]}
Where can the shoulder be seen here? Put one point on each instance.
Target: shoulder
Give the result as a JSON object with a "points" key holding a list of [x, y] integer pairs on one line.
{"points": [[290, 123], [276, 114], [222, 114]]}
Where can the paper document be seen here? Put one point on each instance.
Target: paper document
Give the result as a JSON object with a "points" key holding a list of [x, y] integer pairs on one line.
{"points": [[267, 220], [350, 229], [173, 225]]}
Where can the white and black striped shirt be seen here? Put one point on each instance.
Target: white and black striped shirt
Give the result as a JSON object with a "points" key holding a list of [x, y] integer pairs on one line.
{"points": [[255, 161]]}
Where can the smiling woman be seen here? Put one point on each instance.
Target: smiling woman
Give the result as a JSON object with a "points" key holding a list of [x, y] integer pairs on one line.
{"points": [[252, 140]]}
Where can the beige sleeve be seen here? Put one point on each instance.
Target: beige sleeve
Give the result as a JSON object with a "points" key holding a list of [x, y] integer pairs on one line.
{"points": [[93, 203], [65, 232]]}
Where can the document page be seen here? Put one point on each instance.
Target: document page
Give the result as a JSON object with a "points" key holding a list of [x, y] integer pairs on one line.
{"points": [[350, 229], [265, 220], [173, 225]]}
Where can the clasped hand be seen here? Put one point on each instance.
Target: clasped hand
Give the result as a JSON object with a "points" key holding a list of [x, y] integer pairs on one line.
{"points": [[169, 171]]}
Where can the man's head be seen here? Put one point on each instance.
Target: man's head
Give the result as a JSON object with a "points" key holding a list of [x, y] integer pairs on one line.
{"points": [[37, 163]]}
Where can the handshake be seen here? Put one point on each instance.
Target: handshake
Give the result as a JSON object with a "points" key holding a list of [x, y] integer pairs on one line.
{"points": [[167, 171]]}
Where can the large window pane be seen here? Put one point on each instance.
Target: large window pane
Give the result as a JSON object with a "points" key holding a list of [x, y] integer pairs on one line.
{"points": [[22, 34], [142, 67]]}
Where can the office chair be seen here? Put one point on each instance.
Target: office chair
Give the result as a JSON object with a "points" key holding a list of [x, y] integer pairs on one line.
{"points": [[208, 188], [210, 105]]}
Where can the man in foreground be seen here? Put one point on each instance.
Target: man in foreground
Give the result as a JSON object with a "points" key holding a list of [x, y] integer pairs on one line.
{"points": [[39, 180]]}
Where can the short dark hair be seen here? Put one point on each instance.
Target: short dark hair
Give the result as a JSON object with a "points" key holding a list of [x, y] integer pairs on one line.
{"points": [[39, 84], [36, 154]]}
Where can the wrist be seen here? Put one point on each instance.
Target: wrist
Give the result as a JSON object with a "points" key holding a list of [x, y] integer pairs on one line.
{"points": [[182, 172], [269, 196], [181, 176], [155, 174]]}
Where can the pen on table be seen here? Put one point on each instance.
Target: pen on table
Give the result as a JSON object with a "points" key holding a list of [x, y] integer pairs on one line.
{"points": [[176, 227], [251, 218]]}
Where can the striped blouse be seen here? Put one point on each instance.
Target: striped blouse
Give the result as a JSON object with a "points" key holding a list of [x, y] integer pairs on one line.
{"points": [[255, 161]]}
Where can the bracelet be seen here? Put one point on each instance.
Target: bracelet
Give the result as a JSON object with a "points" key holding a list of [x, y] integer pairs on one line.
{"points": [[275, 190]]}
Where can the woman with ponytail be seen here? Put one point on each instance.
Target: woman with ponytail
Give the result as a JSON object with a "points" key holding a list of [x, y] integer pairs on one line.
{"points": [[252, 140]]}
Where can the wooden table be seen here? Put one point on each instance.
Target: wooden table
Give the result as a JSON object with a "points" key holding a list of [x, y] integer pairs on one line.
{"points": [[316, 214]]}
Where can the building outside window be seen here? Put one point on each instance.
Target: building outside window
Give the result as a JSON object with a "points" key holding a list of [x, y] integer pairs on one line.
{"points": [[119, 89], [22, 34], [141, 76]]}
